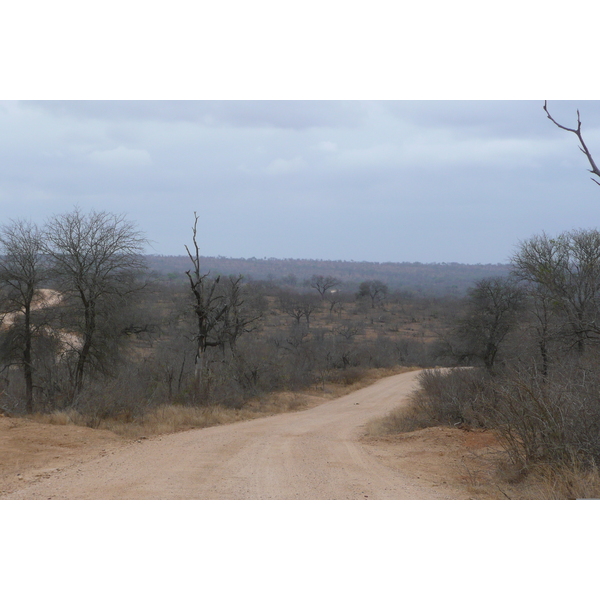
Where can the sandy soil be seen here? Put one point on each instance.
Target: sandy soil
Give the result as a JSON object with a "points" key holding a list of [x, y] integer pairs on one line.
{"points": [[31, 451], [320, 453], [47, 298]]}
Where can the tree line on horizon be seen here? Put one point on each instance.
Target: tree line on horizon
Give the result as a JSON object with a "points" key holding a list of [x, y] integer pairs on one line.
{"points": [[436, 279]]}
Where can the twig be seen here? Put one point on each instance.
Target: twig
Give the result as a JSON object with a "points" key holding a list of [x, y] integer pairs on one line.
{"points": [[505, 494]]}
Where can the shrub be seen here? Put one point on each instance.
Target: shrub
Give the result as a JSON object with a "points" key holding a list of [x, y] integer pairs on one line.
{"points": [[553, 420], [453, 397]]}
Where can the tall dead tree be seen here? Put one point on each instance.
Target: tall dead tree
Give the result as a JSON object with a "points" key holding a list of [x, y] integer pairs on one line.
{"points": [[210, 309], [220, 315], [579, 135]]}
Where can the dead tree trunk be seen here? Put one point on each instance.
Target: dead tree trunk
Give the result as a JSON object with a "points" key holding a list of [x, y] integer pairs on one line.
{"points": [[209, 309]]}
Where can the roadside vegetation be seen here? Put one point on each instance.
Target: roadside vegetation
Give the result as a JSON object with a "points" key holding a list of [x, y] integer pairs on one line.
{"points": [[90, 335], [526, 358]]}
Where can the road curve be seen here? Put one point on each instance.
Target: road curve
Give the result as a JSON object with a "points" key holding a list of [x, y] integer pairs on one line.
{"points": [[313, 454]]}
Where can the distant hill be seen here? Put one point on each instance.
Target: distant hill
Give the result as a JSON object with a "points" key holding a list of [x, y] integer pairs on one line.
{"points": [[433, 279]]}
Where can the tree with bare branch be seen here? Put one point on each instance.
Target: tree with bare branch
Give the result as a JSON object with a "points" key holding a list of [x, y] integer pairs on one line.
{"points": [[97, 264], [374, 289], [322, 284], [240, 318], [220, 315], [566, 270], [209, 308], [493, 305], [583, 147], [297, 306], [22, 274]]}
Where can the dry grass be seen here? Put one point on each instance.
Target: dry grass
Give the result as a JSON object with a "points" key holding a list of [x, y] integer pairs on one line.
{"points": [[170, 418], [563, 482], [161, 420], [401, 420], [410, 417], [167, 418], [541, 481]]}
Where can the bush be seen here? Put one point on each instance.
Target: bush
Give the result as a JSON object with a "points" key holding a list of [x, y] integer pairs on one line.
{"points": [[553, 420], [453, 397], [348, 376], [400, 420]]}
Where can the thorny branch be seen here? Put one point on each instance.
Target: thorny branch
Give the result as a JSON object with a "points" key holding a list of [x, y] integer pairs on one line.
{"points": [[583, 147]]}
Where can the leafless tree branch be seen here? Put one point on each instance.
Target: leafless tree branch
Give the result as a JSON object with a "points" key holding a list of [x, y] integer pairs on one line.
{"points": [[96, 262], [22, 271], [582, 147]]}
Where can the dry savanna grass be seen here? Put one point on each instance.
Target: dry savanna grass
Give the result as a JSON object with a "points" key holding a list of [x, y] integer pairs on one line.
{"points": [[563, 482], [400, 420], [538, 482], [170, 418], [161, 420]]}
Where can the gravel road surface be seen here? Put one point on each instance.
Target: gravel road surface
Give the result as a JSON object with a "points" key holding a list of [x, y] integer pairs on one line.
{"points": [[312, 454]]}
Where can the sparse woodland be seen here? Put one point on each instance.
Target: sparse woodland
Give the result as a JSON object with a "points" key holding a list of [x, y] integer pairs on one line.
{"points": [[88, 328]]}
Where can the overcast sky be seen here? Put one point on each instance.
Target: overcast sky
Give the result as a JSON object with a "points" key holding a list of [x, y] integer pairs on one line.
{"points": [[428, 181]]}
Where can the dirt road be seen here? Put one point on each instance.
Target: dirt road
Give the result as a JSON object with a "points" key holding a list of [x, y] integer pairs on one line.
{"points": [[314, 454]]}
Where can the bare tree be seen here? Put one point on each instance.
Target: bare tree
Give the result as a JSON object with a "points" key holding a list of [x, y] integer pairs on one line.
{"points": [[210, 309], [348, 330], [545, 326], [240, 317], [221, 314], [97, 263], [493, 305], [335, 304], [374, 289], [22, 273], [323, 284], [566, 270], [297, 306], [582, 147], [291, 306]]}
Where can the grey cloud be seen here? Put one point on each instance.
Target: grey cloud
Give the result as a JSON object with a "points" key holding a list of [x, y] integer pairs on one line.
{"points": [[499, 118], [281, 166], [120, 110], [290, 114], [121, 157], [284, 114]]}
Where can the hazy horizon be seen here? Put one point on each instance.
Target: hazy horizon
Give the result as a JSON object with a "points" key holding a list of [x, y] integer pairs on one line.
{"points": [[309, 259]]}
